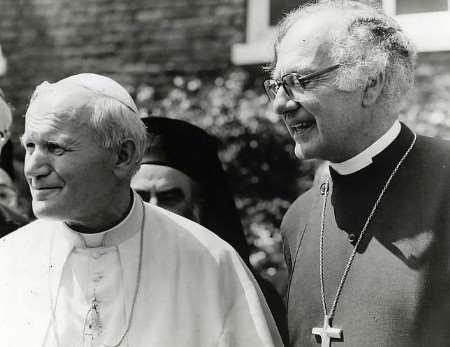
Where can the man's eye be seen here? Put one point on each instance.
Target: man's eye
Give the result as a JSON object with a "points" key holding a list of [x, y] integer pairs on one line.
{"points": [[29, 147], [296, 82], [170, 198], [304, 83], [55, 149]]}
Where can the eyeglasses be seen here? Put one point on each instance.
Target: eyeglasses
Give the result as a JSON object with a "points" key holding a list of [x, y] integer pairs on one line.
{"points": [[293, 83]]}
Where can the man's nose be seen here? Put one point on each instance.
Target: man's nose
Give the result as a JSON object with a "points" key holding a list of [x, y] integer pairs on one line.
{"points": [[283, 103], [36, 164]]}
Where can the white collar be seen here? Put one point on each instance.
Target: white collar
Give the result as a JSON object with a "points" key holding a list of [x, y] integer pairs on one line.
{"points": [[113, 236], [364, 158], [64, 239]]}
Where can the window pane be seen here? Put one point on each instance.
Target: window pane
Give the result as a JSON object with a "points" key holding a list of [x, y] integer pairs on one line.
{"points": [[415, 6], [279, 7]]}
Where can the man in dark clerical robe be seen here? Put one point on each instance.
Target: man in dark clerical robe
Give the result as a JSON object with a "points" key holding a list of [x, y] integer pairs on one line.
{"points": [[181, 172], [368, 247]]}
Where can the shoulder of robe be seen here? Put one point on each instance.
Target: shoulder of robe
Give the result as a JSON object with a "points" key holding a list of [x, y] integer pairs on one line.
{"points": [[433, 154], [30, 236], [434, 149], [194, 239], [24, 254]]}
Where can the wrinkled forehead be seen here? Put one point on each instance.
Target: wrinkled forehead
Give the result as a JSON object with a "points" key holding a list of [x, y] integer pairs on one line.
{"points": [[59, 99], [306, 44], [165, 173]]}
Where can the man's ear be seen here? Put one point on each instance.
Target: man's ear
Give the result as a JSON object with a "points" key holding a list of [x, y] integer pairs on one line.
{"points": [[125, 158], [373, 90]]}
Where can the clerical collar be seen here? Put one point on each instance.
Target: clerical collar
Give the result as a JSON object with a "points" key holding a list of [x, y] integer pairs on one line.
{"points": [[93, 240], [113, 236], [364, 158]]}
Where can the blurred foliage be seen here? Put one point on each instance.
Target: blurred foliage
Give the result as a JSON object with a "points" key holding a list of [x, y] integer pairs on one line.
{"points": [[255, 148], [427, 108]]}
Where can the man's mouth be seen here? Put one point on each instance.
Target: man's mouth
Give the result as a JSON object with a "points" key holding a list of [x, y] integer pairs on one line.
{"points": [[44, 193]]}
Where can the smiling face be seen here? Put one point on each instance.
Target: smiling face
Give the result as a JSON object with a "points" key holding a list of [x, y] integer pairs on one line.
{"points": [[166, 187], [71, 176], [324, 122]]}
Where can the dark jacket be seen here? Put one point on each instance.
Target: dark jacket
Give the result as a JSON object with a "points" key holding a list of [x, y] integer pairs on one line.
{"points": [[397, 293]]}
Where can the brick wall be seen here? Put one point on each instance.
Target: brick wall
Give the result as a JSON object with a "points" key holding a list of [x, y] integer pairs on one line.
{"points": [[132, 40]]}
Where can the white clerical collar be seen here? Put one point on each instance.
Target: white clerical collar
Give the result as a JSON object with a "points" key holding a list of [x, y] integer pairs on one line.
{"points": [[364, 158], [93, 240], [115, 235]]}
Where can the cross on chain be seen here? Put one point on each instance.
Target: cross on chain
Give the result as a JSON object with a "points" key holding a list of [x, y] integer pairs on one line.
{"points": [[92, 323], [327, 332]]}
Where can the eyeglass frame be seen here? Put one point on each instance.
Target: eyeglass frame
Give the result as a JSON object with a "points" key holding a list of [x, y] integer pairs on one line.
{"points": [[300, 78]]}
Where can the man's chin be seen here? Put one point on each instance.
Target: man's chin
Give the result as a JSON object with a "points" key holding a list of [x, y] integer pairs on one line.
{"points": [[46, 210]]}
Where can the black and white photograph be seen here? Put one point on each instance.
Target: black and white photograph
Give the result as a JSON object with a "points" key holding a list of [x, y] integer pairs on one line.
{"points": [[225, 173]]}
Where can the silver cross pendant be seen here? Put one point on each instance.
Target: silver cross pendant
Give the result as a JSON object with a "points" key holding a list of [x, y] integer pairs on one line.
{"points": [[327, 332]]}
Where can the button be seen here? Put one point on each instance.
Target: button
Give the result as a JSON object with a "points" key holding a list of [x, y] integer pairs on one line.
{"points": [[352, 238], [99, 254], [97, 277], [96, 255]]}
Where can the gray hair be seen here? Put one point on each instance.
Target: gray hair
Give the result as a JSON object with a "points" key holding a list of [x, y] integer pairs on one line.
{"points": [[113, 117], [367, 43], [116, 123]]}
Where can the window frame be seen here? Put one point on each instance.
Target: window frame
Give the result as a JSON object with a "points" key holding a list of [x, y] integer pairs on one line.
{"points": [[433, 33], [260, 36]]}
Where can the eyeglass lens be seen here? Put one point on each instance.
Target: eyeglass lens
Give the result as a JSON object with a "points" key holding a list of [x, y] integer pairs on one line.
{"points": [[272, 87]]}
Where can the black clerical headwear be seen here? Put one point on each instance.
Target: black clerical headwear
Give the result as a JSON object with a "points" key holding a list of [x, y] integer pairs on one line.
{"points": [[189, 149], [182, 146]]}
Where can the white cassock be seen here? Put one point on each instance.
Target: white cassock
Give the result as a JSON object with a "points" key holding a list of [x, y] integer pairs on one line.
{"points": [[193, 291]]}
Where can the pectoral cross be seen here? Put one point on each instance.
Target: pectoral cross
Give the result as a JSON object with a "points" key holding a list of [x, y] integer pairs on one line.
{"points": [[327, 332], [92, 324]]}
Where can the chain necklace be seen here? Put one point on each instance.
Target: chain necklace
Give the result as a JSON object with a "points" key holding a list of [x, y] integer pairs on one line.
{"points": [[91, 319], [327, 332]]}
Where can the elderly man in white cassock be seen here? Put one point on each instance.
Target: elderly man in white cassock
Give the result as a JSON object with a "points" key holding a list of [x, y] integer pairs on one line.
{"points": [[99, 267]]}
